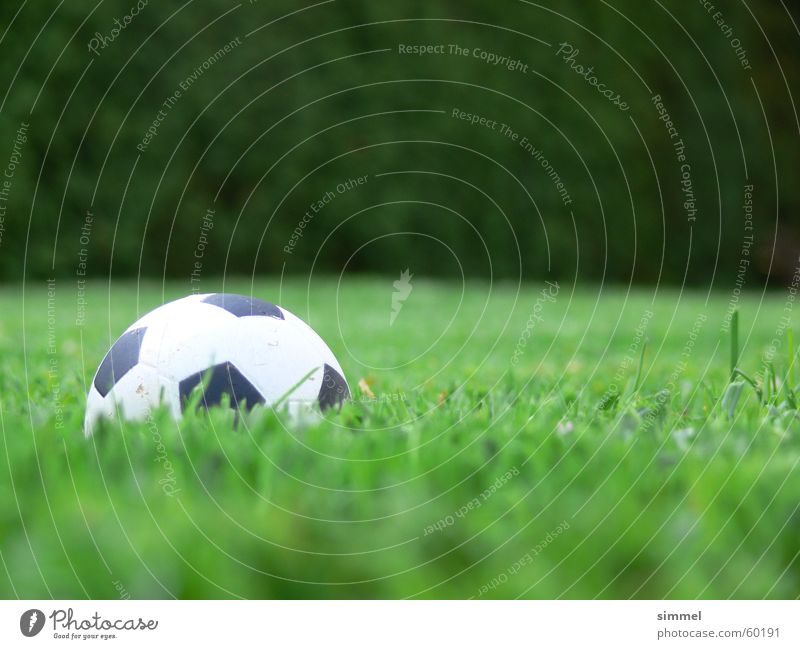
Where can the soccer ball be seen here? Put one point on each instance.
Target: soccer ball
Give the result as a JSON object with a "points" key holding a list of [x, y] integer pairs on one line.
{"points": [[222, 344]]}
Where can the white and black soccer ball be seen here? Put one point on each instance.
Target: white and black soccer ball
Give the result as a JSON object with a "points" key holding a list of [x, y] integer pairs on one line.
{"points": [[250, 350]]}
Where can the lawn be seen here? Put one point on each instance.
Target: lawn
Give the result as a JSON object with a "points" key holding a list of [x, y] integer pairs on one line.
{"points": [[518, 444]]}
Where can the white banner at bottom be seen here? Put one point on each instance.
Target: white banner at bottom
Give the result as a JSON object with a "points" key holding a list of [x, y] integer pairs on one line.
{"points": [[382, 624]]}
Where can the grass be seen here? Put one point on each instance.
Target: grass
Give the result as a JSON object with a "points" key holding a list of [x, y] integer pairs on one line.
{"points": [[613, 453]]}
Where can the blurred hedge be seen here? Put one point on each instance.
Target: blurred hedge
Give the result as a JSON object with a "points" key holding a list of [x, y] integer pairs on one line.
{"points": [[319, 96]]}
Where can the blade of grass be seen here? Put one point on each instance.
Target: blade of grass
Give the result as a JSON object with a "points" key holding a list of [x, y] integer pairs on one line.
{"points": [[753, 384], [773, 379], [639, 369], [291, 390], [734, 342]]}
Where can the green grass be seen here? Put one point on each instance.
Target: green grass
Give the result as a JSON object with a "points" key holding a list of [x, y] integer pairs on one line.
{"points": [[583, 468]]}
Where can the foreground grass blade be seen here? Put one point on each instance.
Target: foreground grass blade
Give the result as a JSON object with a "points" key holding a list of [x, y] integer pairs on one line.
{"points": [[734, 343]]}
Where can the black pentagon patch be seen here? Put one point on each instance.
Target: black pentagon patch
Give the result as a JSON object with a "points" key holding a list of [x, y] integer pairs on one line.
{"points": [[241, 305], [122, 356], [333, 390], [222, 379]]}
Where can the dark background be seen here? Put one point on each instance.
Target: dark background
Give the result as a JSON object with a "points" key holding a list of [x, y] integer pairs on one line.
{"points": [[306, 102]]}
